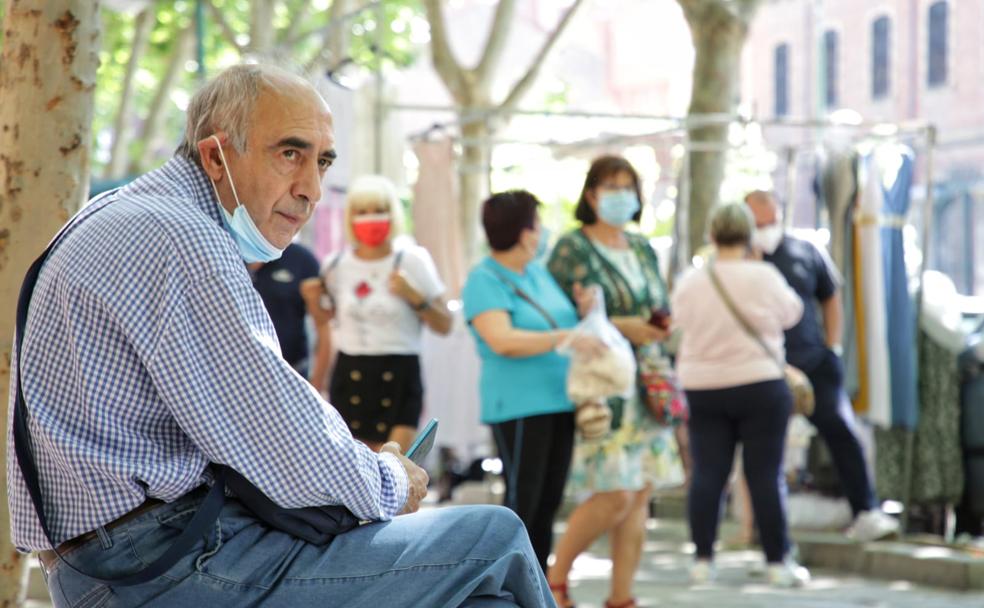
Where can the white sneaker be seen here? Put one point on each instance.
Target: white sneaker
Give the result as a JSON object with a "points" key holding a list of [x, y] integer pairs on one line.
{"points": [[872, 525], [702, 572], [788, 574]]}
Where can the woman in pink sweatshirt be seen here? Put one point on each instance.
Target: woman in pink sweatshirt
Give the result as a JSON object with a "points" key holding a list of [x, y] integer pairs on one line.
{"points": [[732, 313]]}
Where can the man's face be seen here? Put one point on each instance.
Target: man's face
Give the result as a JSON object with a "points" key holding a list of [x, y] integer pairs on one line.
{"points": [[764, 209], [289, 148]]}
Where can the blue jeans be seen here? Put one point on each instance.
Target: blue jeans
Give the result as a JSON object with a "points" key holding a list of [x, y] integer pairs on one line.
{"points": [[456, 556]]}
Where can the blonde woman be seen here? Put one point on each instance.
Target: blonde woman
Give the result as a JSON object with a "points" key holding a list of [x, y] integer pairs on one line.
{"points": [[380, 298]]}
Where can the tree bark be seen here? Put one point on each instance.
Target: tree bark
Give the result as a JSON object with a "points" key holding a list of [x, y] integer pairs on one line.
{"points": [[474, 174], [262, 34], [142, 26], [718, 29], [155, 115], [47, 79]]}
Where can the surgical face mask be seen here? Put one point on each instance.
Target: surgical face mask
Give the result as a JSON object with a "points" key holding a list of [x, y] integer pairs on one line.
{"points": [[372, 229], [617, 208], [767, 238], [252, 245]]}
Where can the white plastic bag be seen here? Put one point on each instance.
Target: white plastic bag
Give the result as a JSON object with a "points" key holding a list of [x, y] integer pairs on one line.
{"points": [[597, 376]]}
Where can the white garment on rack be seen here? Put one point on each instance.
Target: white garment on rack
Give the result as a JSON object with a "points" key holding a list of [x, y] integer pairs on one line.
{"points": [[873, 293], [450, 369]]}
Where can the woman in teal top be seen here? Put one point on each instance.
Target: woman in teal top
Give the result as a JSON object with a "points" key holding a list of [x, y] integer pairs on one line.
{"points": [[620, 470], [518, 315]]}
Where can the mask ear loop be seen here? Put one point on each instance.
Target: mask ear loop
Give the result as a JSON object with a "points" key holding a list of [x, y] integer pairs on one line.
{"points": [[225, 166]]}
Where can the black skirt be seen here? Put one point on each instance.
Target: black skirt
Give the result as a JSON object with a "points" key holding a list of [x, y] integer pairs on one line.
{"points": [[374, 393]]}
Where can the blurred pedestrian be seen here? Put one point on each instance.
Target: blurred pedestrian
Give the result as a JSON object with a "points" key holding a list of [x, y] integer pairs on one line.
{"points": [[380, 298], [279, 284], [518, 315], [613, 471], [813, 345], [735, 388]]}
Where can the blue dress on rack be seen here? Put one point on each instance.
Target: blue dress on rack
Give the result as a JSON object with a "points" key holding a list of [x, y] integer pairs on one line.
{"points": [[900, 319]]}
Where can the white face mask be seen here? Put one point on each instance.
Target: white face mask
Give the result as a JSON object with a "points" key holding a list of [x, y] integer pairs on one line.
{"points": [[767, 238]]}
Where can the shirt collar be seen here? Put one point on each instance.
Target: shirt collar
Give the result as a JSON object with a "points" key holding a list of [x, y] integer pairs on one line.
{"points": [[196, 183]]}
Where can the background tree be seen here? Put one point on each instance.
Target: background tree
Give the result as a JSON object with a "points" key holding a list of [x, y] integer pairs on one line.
{"points": [[718, 29], [47, 78], [471, 89]]}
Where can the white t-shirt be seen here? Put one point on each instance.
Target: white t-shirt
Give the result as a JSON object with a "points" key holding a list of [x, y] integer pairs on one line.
{"points": [[369, 319]]}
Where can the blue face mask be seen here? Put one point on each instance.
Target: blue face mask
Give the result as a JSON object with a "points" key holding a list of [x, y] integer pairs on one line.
{"points": [[618, 207], [252, 245]]}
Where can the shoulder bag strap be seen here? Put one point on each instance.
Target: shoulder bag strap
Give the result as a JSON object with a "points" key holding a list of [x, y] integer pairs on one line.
{"points": [[526, 298], [200, 523], [745, 325]]}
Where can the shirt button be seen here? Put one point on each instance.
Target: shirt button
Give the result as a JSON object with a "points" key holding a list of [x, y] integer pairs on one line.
{"points": [[387, 402], [356, 375], [387, 376], [381, 427], [355, 424], [355, 400]]}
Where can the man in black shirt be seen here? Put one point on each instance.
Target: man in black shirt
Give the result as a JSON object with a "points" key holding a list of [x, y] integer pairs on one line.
{"points": [[279, 285], [813, 345]]}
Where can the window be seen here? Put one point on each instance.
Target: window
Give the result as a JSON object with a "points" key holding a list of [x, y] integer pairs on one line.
{"points": [[830, 43], [880, 64], [782, 80], [938, 17]]}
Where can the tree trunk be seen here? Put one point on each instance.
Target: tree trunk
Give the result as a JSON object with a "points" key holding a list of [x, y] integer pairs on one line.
{"points": [[718, 40], [474, 172], [142, 26], [156, 114], [262, 35], [47, 78]]}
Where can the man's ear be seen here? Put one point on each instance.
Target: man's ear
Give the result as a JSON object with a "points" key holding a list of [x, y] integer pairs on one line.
{"points": [[211, 160]]}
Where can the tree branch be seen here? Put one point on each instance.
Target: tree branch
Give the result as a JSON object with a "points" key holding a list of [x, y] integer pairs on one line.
{"points": [[142, 26], [441, 55], [529, 78], [289, 32], [496, 42], [227, 32]]}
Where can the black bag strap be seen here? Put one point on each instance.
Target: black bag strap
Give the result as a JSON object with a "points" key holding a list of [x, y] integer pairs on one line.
{"points": [[200, 523], [742, 321], [528, 299]]}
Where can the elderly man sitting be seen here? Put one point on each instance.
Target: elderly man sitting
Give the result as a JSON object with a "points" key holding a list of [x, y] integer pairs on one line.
{"points": [[148, 358]]}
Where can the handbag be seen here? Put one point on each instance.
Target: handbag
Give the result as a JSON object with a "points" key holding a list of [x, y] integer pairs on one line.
{"points": [[799, 385], [318, 525]]}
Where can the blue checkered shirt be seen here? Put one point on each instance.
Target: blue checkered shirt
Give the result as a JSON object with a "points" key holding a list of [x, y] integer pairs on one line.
{"points": [[148, 354]]}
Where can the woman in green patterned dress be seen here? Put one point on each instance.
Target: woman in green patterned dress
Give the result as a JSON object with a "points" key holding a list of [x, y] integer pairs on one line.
{"points": [[620, 470]]}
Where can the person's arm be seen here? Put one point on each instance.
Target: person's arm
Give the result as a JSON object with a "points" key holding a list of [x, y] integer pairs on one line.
{"points": [[217, 368], [321, 359], [638, 331], [496, 329], [425, 298], [832, 312]]}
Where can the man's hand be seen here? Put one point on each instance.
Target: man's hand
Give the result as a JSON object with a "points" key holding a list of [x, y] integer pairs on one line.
{"points": [[417, 477]]}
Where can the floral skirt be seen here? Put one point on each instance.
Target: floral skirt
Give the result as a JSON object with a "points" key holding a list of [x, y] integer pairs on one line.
{"points": [[637, 453]]}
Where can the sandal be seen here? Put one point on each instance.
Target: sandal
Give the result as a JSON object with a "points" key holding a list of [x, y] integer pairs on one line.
{"points": [[630, 603], [560, 589]]}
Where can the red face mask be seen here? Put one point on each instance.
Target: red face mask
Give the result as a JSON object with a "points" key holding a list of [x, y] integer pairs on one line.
{"points": [[373, 229]]}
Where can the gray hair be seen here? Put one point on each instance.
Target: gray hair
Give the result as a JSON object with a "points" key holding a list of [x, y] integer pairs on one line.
{"points": [[732, 224], [226, 104]]}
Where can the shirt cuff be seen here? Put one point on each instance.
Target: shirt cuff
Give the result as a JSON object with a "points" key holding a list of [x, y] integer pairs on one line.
{"points": [[399, 485]]}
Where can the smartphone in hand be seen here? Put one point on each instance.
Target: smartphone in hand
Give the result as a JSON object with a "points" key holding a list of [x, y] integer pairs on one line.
{"points": [[660, 317], [424, 442]]}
